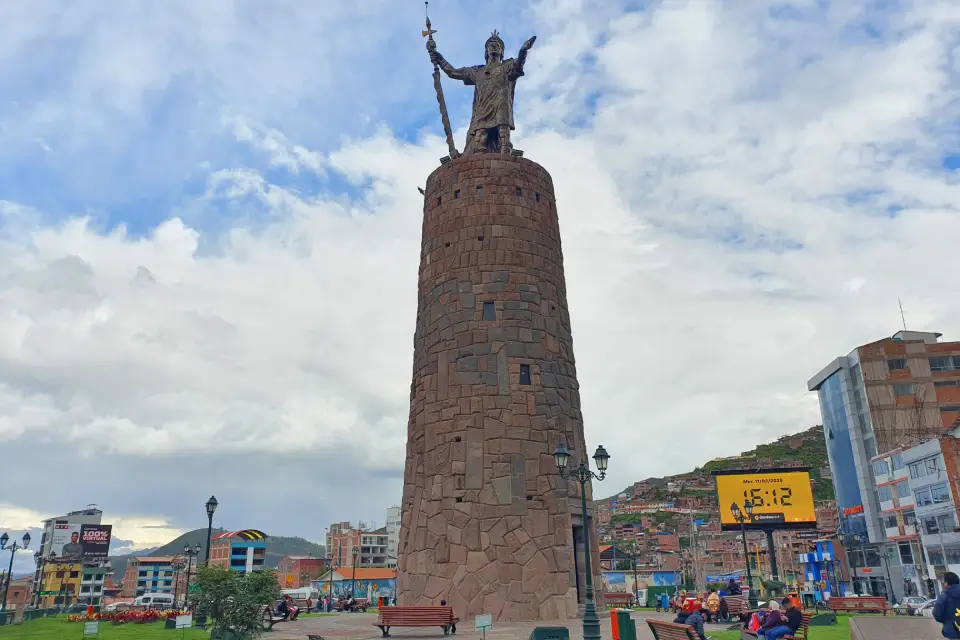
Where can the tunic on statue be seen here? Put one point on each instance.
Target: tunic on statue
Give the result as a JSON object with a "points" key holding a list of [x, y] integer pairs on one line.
{"points": [[492, 97]]}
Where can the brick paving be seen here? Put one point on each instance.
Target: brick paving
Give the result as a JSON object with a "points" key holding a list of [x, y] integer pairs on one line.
{"points": [[359, 626]]}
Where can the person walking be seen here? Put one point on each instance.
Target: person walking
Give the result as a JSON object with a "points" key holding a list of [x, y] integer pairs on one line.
{"points": [[947, 604]]}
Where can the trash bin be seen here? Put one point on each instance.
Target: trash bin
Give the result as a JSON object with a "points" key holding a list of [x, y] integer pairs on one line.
{"points": [[626, 625], [550, 633], [614, 624]]}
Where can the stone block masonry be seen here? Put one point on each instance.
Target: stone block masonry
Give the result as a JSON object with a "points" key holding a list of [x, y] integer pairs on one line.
{"points": [[487, 523]]}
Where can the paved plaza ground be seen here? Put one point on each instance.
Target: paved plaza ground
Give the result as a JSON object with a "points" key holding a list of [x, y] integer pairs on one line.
{"points": [[360, 626]]}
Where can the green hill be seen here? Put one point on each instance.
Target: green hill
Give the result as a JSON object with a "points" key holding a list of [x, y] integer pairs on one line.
{"points": [[277, 548]]}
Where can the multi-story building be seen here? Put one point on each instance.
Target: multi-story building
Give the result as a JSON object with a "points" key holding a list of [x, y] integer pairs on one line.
{"points": [[824, 570], [60, 583], [243, 551], [149, 574], [879, 399], [372, 546], [20, 592], [294, 572], [393, 535], [92, 579], [935, 491], [90, 515]]}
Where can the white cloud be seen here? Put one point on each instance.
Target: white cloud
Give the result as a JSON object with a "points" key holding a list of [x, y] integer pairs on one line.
{"points": [[725, 227]]}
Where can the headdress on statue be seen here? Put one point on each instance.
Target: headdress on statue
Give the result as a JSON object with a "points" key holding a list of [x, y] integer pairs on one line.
{"points": [[494, 38]]}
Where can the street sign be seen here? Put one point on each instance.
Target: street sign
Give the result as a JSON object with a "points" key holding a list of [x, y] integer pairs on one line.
{"points": [[91, 628], [194, 588], [483, 623], [184, 622]]}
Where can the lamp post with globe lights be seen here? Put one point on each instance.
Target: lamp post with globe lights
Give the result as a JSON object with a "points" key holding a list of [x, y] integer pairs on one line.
{"points": [[211, 507], [191, 553], [741, 516], [583, 475], [4, 539]]}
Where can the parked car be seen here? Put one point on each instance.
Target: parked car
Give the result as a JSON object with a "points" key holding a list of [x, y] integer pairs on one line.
{"points": [[925, 610], [909, 605]]}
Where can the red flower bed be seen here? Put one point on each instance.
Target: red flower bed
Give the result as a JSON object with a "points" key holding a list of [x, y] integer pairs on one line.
{"points": [[135, 616]]}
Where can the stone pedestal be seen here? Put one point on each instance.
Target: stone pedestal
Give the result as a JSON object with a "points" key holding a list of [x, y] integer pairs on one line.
{"points": [[487, 523]]}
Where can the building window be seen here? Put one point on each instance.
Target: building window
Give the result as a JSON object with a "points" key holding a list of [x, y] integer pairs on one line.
{"points": [[884, 493], [945, 363], [519, 192], [897, 364], [456, 194], [74, 574], [940, 494], [906, 553], [897, 461], [489, 312], [909, 518], [932, 465], [930, 525], [890, 522], [479, 190], [524, 374], [917, 470], [903, 489], [947, 522], [923, 498], [946, 383], [881, 468], [903, 389]]}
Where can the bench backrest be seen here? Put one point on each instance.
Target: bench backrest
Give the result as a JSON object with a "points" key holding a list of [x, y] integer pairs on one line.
{"points": [[869, 602], [433, 615], [805, 627], [618, 597], [663, 630], [736, 604]]}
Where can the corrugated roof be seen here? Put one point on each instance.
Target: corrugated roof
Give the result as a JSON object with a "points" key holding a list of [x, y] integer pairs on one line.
{"points": [[366, 573], [246, 534]]}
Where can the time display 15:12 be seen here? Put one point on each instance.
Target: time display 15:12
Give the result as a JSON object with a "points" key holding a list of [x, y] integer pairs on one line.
{"points": [[778, 496]]}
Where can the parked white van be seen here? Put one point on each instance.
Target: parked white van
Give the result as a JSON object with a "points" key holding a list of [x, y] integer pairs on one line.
{"points": [[154, 601]]}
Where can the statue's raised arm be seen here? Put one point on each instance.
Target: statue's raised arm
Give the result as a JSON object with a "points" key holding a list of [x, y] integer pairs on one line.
{"points": [[522, 56], [465, 74]]}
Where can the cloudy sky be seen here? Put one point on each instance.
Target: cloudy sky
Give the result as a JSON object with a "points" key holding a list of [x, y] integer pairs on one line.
{"points": [[209, 232]]}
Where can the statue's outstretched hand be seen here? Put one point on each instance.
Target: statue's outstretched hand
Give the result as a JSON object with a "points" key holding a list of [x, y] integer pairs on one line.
{"points": [[528, 44], [435, 56]]}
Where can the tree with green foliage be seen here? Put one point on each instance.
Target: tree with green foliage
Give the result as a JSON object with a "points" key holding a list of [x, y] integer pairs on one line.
{"points": [[235, 602]]}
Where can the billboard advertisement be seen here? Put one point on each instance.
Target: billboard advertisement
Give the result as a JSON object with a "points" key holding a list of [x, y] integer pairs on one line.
{"points": [[66, 543], [78, 542], [95, 540], [781, 499]]}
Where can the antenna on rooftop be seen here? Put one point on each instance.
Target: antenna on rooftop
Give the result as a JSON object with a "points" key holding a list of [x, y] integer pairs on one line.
{"points": [[902, 318]]}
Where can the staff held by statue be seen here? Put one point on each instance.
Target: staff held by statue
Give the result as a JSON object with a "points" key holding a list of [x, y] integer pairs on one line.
{"points": [[431, 47]]}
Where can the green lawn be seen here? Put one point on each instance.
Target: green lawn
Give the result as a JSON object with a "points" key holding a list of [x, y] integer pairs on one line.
{"points": [[839, 631], [59, 629]]}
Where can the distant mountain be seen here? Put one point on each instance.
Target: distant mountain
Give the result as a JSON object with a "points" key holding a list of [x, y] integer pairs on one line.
{"points": [[277, 548], [807, 448]]}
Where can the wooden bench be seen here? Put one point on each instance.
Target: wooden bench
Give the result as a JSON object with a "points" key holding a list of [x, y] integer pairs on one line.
{"points": [[663, 630], [802, 632], [735, 606], [269, 618], [875, 604], [625, 599], [416, 617]]}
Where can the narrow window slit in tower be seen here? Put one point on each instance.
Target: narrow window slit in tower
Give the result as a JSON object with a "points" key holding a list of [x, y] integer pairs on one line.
{"points": [[519, 192], [456, 439], [489, 312], [438, 200], [480, 238], [446, 244], [537, 196], [479, 190], [458, 499], [524, 374], [456, 194]]}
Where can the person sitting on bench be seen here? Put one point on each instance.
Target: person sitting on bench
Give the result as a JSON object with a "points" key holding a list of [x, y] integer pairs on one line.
{"points": [[283, 609], [453, 627]]}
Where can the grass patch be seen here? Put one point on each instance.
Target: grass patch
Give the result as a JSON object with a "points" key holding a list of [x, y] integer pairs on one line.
{"points": [[59, 629], [839, 631]]}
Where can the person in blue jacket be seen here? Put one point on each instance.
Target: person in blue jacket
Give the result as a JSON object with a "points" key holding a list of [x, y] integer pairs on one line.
{"points": [[946, 610]]}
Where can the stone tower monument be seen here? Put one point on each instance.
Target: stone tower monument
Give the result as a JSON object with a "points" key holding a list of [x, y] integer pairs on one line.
{"points": [[488, 524]]}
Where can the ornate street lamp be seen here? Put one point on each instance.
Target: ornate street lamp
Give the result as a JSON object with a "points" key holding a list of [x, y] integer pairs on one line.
{"points": [[742, 516], [583, 475], [4, 539], [191, 554], [329, 581], [211, 507], [356, 554]]}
